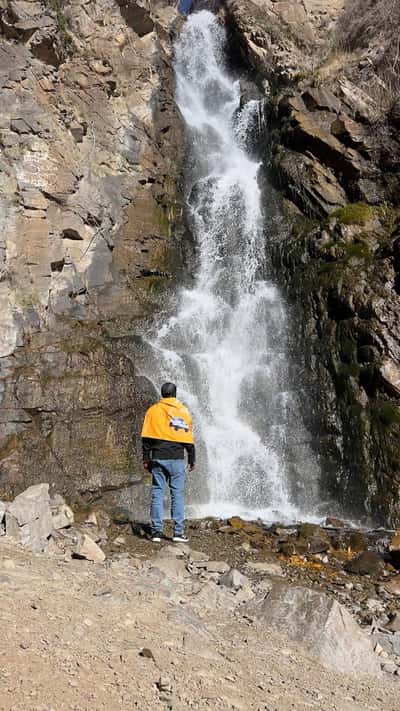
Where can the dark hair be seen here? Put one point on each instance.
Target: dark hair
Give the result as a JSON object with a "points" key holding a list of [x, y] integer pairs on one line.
{"points": [[168, 390]]}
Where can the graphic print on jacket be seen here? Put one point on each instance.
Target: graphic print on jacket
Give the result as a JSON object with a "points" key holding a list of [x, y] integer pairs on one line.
{"points": [[167, 431]]}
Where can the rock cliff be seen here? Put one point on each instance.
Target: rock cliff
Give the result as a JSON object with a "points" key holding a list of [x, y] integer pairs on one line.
{"points": [[91, 232], [329, 72]]}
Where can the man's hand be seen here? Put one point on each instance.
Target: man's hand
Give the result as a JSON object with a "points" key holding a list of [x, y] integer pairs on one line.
{"points": [[147, 464]]}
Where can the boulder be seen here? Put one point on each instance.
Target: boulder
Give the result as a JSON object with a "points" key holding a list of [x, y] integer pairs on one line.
{"points": [[88, 549], [62, 514], [234, 580], [320, 98], [368, 563], [172, 568], [29, 519], [322, 625], [266, 568], [394, 623], [312, 186]]}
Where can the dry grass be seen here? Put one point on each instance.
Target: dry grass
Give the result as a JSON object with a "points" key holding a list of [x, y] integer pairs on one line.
{"points": [[373, 26]]}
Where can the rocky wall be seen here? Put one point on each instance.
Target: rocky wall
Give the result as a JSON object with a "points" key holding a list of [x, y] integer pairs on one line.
{"points": [[92, 235], [334, 153]]}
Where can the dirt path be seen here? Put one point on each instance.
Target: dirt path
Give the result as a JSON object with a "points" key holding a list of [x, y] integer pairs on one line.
{"points": [[73, 634]]}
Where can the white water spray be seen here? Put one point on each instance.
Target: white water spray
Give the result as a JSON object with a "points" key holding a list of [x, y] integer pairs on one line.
{"points": [[226, 346]]}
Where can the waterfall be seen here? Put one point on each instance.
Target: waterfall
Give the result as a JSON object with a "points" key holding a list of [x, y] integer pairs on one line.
{"points": [[226, 344]]}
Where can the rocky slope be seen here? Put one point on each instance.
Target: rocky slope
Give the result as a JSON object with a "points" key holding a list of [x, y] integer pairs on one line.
{"points": [[91, 232], [174, 627], [329, 72]]}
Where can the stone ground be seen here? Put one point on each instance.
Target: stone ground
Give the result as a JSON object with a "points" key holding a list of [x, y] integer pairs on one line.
{"points": [[141, 632]]}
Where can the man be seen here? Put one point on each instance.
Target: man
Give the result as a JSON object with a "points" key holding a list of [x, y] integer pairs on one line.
{"points": [[167, 432]]}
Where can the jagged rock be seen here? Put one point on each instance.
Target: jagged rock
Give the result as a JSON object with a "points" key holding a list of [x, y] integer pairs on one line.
{"points": [[88, 549], [390, 374], [62, 514], [29, 519], [313, 187], [393, 586], [321, 624], [136, 16], [217, 566], [368, 563], [394, 623], [352, 134], [3, 507], [172, 551], [321, 98], [234, 580]]}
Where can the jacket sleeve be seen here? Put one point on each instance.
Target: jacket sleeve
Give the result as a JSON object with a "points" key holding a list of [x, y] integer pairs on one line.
{"points": [[147, 446], [191, 450]]}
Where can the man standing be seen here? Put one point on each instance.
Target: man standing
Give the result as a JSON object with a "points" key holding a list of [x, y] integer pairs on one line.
{"points": [[167, 431]]}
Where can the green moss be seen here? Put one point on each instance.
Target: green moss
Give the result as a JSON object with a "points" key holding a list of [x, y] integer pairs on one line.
{"points": [[354, 214], [386, 413]]}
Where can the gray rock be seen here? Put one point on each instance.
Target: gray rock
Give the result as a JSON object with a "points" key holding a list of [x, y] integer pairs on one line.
{"points": [[266, 568], [217, 566], [172, 568], [88, 549], [234, 580], [394, 623], [322, 625], [390, 668], [62, 514], [382, 641], [29, 519], [3, 507]]}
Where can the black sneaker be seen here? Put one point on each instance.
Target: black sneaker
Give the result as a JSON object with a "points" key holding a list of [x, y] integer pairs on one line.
{"points": [[180, 539], [156, 537]]}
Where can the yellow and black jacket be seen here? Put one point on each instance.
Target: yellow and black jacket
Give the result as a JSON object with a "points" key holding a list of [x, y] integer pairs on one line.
{"points": [[167, 431]]}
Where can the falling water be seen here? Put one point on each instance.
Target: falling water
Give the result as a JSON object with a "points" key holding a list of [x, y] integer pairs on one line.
{"points": [[226, 345]]}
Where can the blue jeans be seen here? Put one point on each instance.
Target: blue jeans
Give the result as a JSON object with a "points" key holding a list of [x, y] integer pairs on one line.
{"points": [[171, 472]]}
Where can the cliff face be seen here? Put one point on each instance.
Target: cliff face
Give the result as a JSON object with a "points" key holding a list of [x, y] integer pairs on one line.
{"points": [[329, 72], [91, 232]]}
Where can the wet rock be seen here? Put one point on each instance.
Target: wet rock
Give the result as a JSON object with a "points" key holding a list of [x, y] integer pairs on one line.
{"points": [[357, 542], [368, 563], [321, 624], [333, 522], [234, 580], [29, 519], [238, 524], [88, 549]]}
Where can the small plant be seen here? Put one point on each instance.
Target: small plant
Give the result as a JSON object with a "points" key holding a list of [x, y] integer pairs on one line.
{"points": [[353, 214]]}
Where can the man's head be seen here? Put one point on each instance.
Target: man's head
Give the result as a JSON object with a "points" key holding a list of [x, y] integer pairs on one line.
{"points": [[168, 390]]}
